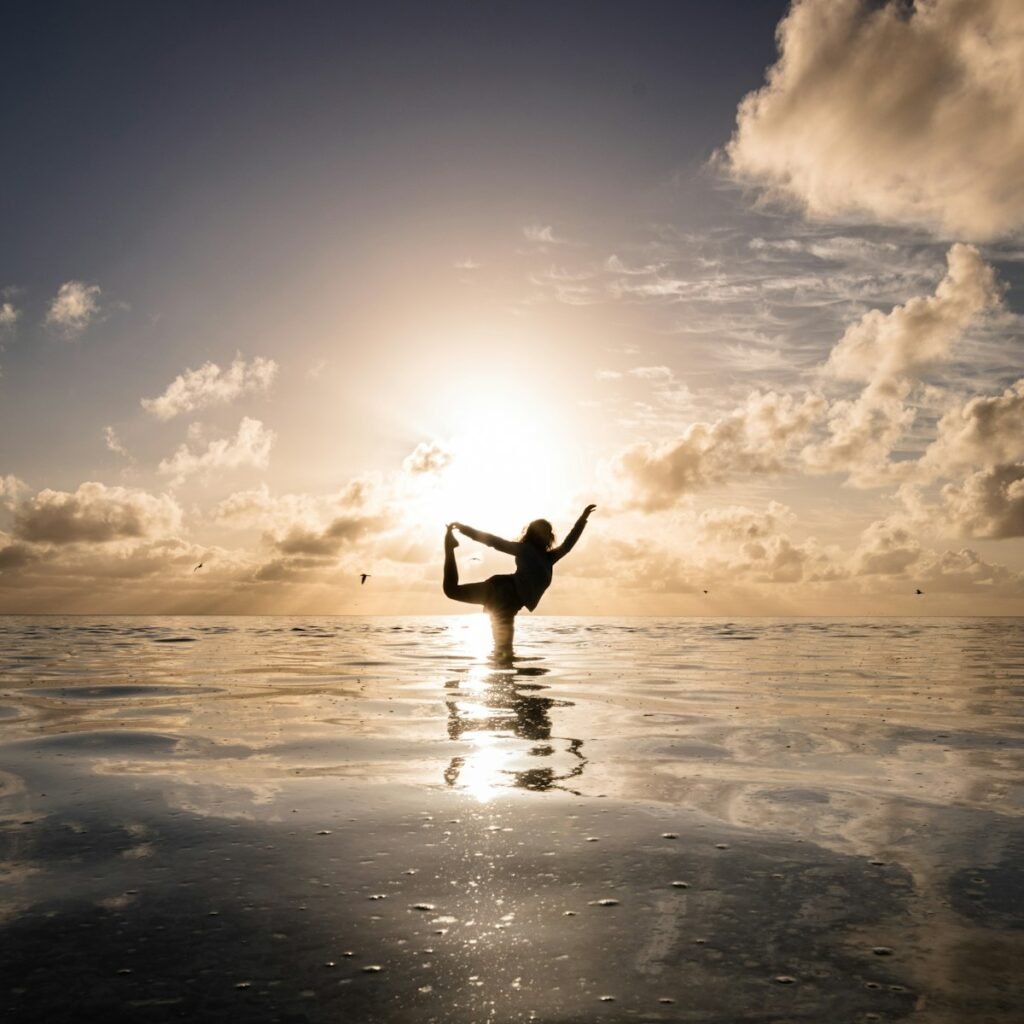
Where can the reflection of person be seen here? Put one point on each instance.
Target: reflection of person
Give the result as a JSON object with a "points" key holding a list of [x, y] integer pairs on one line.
{"points": [[506, 710], [503, 596]]}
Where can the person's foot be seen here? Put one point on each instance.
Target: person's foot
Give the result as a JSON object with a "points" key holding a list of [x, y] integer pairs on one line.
{"points": [[450, 540]]}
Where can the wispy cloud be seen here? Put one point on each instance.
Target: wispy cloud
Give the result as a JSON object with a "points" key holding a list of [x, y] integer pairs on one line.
{"points": [[210, 385], [113, 442], [11, 490], [542, 234], [75, 305]]}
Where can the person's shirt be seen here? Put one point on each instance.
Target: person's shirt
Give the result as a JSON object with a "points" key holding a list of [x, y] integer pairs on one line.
{"points": [[533, 565]]}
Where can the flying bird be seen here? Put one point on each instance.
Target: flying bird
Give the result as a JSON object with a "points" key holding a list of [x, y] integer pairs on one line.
{"points": [[363, 577], [918, 591], [198, 567], [705, 591]]}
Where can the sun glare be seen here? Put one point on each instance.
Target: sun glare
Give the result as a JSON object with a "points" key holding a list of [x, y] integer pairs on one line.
{"points": [[508, 466]]}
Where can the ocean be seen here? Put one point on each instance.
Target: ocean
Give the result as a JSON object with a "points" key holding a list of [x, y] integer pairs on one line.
{"points": [[334, 819]]}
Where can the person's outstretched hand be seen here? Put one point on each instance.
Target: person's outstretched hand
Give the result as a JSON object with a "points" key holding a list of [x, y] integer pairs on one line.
{"points": [[587, 511]]}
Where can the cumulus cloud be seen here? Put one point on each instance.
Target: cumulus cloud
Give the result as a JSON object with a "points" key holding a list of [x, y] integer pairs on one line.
{"points": [[906, 113], [889, 352], [985, 431], [989, 503], [249, 447], [210, 385], [8, 316], [15, 556], [965, 571], [753, 439], [887, 548], [427, 457], [95, 514], [862, 433], [882, 347], [737, 524], [306, 532], [73, 307]]}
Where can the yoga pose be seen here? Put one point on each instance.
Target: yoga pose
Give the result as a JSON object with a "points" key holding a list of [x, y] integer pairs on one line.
{"points": [[503, 596]]}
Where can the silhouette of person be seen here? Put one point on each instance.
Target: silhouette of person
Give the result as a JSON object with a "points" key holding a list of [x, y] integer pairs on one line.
{"points": [[504, 595]]}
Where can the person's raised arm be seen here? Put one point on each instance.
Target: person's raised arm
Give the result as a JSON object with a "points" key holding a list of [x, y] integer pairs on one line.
{"points": [[572, 536], [498, 543]]}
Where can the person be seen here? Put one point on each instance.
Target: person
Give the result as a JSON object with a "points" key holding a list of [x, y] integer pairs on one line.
{"points": [[504, 595]]}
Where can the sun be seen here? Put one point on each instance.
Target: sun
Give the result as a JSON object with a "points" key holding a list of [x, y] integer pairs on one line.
{"points": [[509, 464]]}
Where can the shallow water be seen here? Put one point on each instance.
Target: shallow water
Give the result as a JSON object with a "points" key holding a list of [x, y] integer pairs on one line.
{"points": [[657, 820]]}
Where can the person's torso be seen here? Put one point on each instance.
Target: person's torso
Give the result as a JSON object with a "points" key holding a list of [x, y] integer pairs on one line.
{"points": [[533, 574]]}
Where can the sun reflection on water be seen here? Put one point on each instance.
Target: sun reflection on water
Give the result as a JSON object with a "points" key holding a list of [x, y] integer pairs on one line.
{"points": [[502, 715]]}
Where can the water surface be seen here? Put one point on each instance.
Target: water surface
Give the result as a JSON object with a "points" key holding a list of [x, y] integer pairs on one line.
{"points": [[639, 819]]}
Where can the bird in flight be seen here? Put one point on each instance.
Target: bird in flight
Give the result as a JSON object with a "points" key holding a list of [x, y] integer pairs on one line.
{"points": [[198, 567], [363, 577], [705, 591], [918, 591]]}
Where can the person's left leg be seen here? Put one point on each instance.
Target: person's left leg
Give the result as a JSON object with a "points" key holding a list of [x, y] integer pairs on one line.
{"points": [[469, 593]]}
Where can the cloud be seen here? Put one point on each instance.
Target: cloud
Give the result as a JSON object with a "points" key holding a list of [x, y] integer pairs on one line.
{"points": [[250, 447], [986, 431], [95, 514], [341, 531], [543, 234], [8, 316], [989, 503], [16, 556], [651, 373], [304, 531], [883, 347], [887, 548], [467, 264], [427, 457], [210, 385], [11, 490], [753, 439], [734, 524], [73, 308], [908, 114], [890, 351], [965, 571], [113, 442], [862, 433]]}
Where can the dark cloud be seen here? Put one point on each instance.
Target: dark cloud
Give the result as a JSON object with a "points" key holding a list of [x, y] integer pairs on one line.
{"points": [[95, 514]]}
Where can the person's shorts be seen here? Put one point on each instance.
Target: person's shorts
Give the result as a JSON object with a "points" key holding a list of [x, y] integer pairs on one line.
{"points": [[502, 596]]}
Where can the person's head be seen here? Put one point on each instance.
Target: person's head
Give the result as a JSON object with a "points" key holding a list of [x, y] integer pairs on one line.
{"points": [[540, 534]]}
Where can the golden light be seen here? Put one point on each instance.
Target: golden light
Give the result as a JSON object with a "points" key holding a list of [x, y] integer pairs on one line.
{"points": [[510, 461]]}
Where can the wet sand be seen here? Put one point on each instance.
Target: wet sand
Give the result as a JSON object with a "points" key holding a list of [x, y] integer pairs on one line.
{"points": [[262, 819]]}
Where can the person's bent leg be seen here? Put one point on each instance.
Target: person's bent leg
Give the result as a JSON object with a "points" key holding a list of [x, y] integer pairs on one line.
{"points": [[470, 593]]}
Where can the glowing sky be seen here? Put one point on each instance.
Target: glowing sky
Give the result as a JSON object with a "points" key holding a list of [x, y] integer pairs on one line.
{"points": [[284, 287]]}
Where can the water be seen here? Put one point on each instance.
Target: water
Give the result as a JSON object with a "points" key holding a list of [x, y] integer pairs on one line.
{"points": [[654, 820]]}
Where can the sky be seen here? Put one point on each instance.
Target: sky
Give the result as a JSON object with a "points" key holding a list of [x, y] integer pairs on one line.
{"points": [[285, 287]]}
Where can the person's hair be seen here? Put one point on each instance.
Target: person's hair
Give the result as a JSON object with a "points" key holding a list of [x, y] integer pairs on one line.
{"points": [[540, 534]]}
